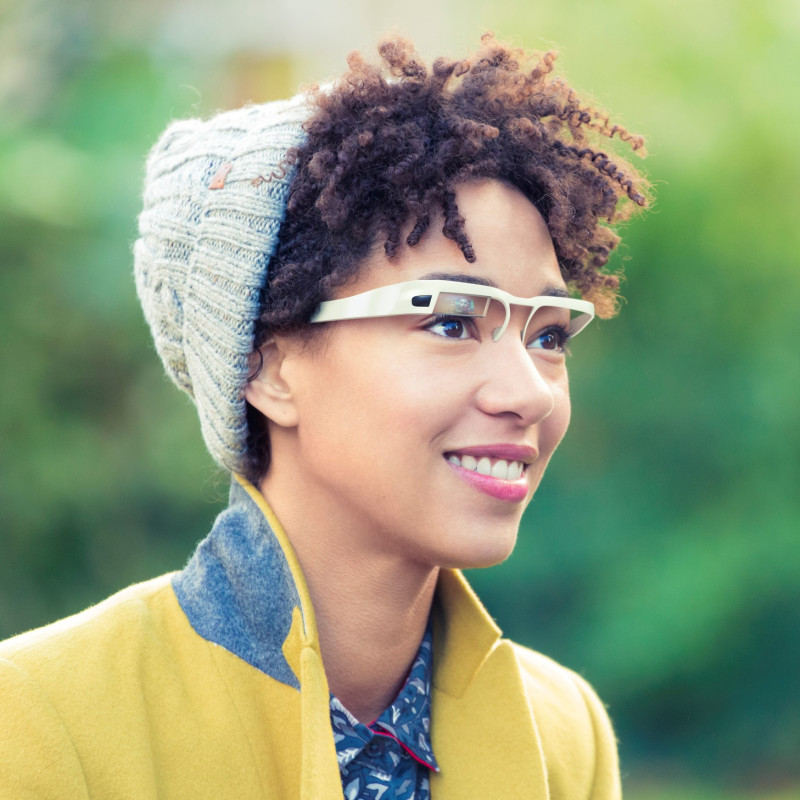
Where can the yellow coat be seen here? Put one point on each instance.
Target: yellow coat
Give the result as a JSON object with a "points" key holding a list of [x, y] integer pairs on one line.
{"points": [[128, 701]]}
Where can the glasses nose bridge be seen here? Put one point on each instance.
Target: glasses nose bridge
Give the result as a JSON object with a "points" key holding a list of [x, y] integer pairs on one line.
{"points": [[506, 303]]}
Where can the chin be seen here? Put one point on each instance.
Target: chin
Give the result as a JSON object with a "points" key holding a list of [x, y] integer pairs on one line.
{"points": [[492, 548]]}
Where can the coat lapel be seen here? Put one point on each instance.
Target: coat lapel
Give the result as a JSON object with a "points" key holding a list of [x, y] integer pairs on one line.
{"points": [[483, 731], [319, 770]]}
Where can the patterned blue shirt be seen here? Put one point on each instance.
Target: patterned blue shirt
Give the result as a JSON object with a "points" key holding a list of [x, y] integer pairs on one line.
{"points": [[390, 759]]}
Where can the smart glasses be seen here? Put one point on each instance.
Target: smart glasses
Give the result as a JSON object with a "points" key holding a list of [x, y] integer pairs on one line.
{"points": [[450, 299]]}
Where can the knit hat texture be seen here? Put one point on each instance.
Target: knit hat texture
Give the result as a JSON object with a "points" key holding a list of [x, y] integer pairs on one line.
{"points": [[214, 199]]}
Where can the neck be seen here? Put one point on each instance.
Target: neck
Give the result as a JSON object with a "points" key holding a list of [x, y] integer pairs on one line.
{"points": [[371, 608], [368, 657]]}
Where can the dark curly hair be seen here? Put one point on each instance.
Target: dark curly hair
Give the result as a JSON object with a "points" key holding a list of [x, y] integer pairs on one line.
{"points": [[387, 146]]}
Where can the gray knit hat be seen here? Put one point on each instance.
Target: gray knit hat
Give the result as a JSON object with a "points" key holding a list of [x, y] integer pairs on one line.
{"points": [[214, 200]]}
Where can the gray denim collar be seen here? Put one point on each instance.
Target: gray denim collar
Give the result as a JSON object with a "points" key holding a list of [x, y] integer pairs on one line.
{"points": [[238, 591]]}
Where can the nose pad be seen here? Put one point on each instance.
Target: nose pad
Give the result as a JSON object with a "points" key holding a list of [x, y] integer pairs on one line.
{"points": [[550, 408], [540, 400], [501, 329]]}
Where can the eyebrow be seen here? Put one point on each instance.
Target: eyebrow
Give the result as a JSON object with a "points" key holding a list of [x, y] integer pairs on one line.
{"points": [[549, 290]]}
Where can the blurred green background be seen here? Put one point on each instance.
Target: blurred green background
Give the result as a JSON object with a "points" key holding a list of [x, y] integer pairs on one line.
{"points": [[660, 558]]}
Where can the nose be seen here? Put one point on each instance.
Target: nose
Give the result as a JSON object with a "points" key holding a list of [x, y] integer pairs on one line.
{"points": [[514, 382]]}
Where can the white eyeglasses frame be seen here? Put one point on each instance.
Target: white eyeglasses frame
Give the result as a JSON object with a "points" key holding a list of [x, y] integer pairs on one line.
{"points": [[425, 296]]}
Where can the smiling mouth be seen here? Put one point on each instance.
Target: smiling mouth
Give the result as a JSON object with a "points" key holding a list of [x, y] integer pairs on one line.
{"points": [[499, 468]]}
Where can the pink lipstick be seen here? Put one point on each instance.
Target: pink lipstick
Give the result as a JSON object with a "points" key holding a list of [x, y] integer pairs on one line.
{"points": [[496, 470]]}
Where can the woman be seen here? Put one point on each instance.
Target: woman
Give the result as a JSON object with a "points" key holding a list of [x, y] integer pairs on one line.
{"points": [[368, 291]]}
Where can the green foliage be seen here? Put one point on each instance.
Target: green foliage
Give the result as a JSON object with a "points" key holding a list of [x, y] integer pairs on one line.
{"points": [[659, 557], [102, 474]]}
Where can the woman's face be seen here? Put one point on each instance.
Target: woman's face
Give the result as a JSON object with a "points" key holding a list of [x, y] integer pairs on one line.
{"points": [[394, 414]]}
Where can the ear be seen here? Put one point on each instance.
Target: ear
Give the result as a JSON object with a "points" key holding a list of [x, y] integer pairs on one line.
{"points": [[269, 391]]}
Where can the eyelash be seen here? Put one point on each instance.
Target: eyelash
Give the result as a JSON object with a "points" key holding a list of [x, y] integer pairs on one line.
{"points": [[440, 318], [561, 332], [562, 335]]}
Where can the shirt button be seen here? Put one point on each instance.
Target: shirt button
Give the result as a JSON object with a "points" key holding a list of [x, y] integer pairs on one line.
{"points": [[375, 747]]}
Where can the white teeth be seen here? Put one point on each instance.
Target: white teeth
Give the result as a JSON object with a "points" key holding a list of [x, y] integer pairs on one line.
{"points": [[501, 469]]}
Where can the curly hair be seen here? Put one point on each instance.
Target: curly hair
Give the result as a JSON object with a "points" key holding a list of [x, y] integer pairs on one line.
{"points": [[387, 146]]}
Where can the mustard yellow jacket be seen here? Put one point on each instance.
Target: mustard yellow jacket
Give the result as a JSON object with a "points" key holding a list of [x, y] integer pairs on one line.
{"points": [[208, 683]]}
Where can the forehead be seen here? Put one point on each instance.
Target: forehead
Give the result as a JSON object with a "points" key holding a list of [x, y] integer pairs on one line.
{"points": [[513, 247]]}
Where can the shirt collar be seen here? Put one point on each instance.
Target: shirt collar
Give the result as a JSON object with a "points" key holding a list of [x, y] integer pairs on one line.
{"points": [[407, 720]]}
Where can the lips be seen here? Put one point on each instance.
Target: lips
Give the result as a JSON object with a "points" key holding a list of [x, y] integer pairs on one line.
{"points": [[495, 470]]}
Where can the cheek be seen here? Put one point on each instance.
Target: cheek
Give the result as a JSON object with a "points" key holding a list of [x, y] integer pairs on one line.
{"points": [[551, 432], [556, 424], [382, 383], [562, 413], [361, 395]]}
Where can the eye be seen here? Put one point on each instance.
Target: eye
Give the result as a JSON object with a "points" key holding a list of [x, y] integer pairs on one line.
{"points": [[450, 327], [553, 338]]}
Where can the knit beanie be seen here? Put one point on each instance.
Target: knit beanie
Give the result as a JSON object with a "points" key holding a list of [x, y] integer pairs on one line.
{"points": [[215, 196]]}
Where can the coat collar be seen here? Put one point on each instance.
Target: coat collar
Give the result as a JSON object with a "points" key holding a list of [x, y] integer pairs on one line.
{"points": [[243, 584], [243, 589]]}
